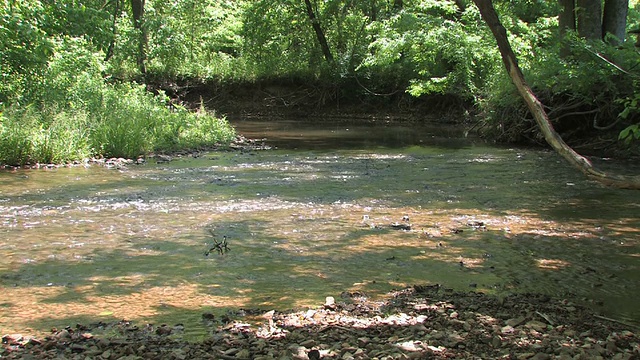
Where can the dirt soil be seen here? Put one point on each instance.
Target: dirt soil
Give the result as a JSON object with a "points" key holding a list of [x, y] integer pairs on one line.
{"points": [[422, 322]]}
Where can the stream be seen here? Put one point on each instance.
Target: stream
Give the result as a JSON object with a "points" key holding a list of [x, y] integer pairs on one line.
{"points": [[335, 207]]}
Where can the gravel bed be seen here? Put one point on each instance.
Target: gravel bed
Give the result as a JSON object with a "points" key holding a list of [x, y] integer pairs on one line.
{"points": [[422, 322]]}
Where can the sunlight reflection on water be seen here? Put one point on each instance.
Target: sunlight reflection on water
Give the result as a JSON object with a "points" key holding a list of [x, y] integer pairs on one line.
{"points": [[77, 243]]}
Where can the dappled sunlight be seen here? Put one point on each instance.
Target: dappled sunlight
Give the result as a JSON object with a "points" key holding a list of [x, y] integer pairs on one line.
{"points": [[552, 264], [55, 302], [137, 243]]}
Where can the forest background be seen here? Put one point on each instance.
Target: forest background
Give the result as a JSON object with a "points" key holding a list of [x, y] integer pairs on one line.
{"points": [[105, 78]]}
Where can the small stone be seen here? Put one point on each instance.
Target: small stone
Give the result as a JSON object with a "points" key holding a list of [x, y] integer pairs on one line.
{"points": [[63, 334], [515, 321], [525, 356], [363, 341], [467, 326], [536, 325], [178, 354], [496, 342], [308, 343], [231, 352], [347, 356], [330, 303], [507, 329], [243, 354], [314, 355], [540, 356]]}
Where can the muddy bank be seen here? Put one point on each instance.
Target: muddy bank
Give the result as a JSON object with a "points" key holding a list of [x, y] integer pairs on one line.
{"points": [[350, 101], [422, 322], [320, 100]]}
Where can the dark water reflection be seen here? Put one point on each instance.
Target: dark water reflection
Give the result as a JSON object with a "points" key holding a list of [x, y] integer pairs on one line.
{"points": [[84, 243], [349, 134]]}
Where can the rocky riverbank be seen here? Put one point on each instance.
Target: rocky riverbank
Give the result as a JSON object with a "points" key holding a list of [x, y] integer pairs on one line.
{"points": [[423, 322]]}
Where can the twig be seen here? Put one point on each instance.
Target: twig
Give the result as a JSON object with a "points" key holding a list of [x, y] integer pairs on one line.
{"points": [[546, 317]]}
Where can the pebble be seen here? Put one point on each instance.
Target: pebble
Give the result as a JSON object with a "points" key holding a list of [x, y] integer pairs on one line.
{"points": [[397, 329]]}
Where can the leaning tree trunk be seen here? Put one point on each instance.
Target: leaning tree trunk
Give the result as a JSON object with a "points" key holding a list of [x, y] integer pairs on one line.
{"points": [[490, 16], [319, 33]]}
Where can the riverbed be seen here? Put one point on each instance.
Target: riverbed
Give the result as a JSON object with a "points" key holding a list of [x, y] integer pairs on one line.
{"points": [[334, 207]]}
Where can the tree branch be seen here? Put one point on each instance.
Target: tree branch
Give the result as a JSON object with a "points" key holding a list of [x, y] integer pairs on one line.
{"points": [[490, 16]]}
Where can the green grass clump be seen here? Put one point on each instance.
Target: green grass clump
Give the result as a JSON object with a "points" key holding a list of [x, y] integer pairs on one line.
{"points": [[73, 113], [28, 136]]}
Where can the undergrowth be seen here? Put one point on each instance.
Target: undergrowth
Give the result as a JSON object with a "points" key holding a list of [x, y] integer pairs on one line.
{"points": [[71, 112]]}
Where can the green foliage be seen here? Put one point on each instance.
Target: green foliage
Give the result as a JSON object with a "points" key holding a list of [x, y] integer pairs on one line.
{"points": [[29, 136], [194, 38], [631, 132], [133, 122], [53, 67], [73, 113], [579, 90], [438, 48], [630, 112]]}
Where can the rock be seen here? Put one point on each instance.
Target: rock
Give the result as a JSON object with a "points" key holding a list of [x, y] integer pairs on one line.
{"points": [[536, 325], [178, 354], [507, 329], [496, 342], [408, 325], [330, 303], [515, 322], [308, 343], [314, 355], [540, 356], [243, 354]]}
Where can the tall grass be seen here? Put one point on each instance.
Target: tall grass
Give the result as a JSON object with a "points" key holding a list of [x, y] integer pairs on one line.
{"points": [[73, 113], [29, 136]]}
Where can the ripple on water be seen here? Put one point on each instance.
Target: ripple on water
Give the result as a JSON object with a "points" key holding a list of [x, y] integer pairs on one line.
{"points": [[303, 225]]}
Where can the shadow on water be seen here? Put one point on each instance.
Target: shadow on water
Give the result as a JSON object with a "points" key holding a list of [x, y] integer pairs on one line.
{"points": [[79, 244], [349, 134]]}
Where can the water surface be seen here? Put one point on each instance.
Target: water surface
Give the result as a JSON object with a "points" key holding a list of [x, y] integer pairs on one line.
{"points": [[308, 221]]}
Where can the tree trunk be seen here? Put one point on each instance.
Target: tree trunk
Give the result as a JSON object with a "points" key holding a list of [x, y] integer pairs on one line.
{"points": [[114, 29], [137, 8], [462, 6], [319, 33], [567, 16], [589, 15], [566, 23], [490, 16], [614, 20]]}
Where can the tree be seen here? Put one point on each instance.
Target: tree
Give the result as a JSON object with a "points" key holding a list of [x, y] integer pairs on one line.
{"points": [[510, 61], [112, 43], [614, 20], [589, 17], [322, 40], [592, 21], [567, 16], [137, 9]]}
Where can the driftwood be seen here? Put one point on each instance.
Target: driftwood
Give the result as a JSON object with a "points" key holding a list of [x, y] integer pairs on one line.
{"points": [[583, 164]]}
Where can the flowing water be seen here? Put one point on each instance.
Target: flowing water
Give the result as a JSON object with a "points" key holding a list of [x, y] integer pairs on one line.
{"points": [[308, 220]]}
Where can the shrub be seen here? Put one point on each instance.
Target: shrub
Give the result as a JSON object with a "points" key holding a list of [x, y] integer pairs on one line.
{"points": [[74, 113]]}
